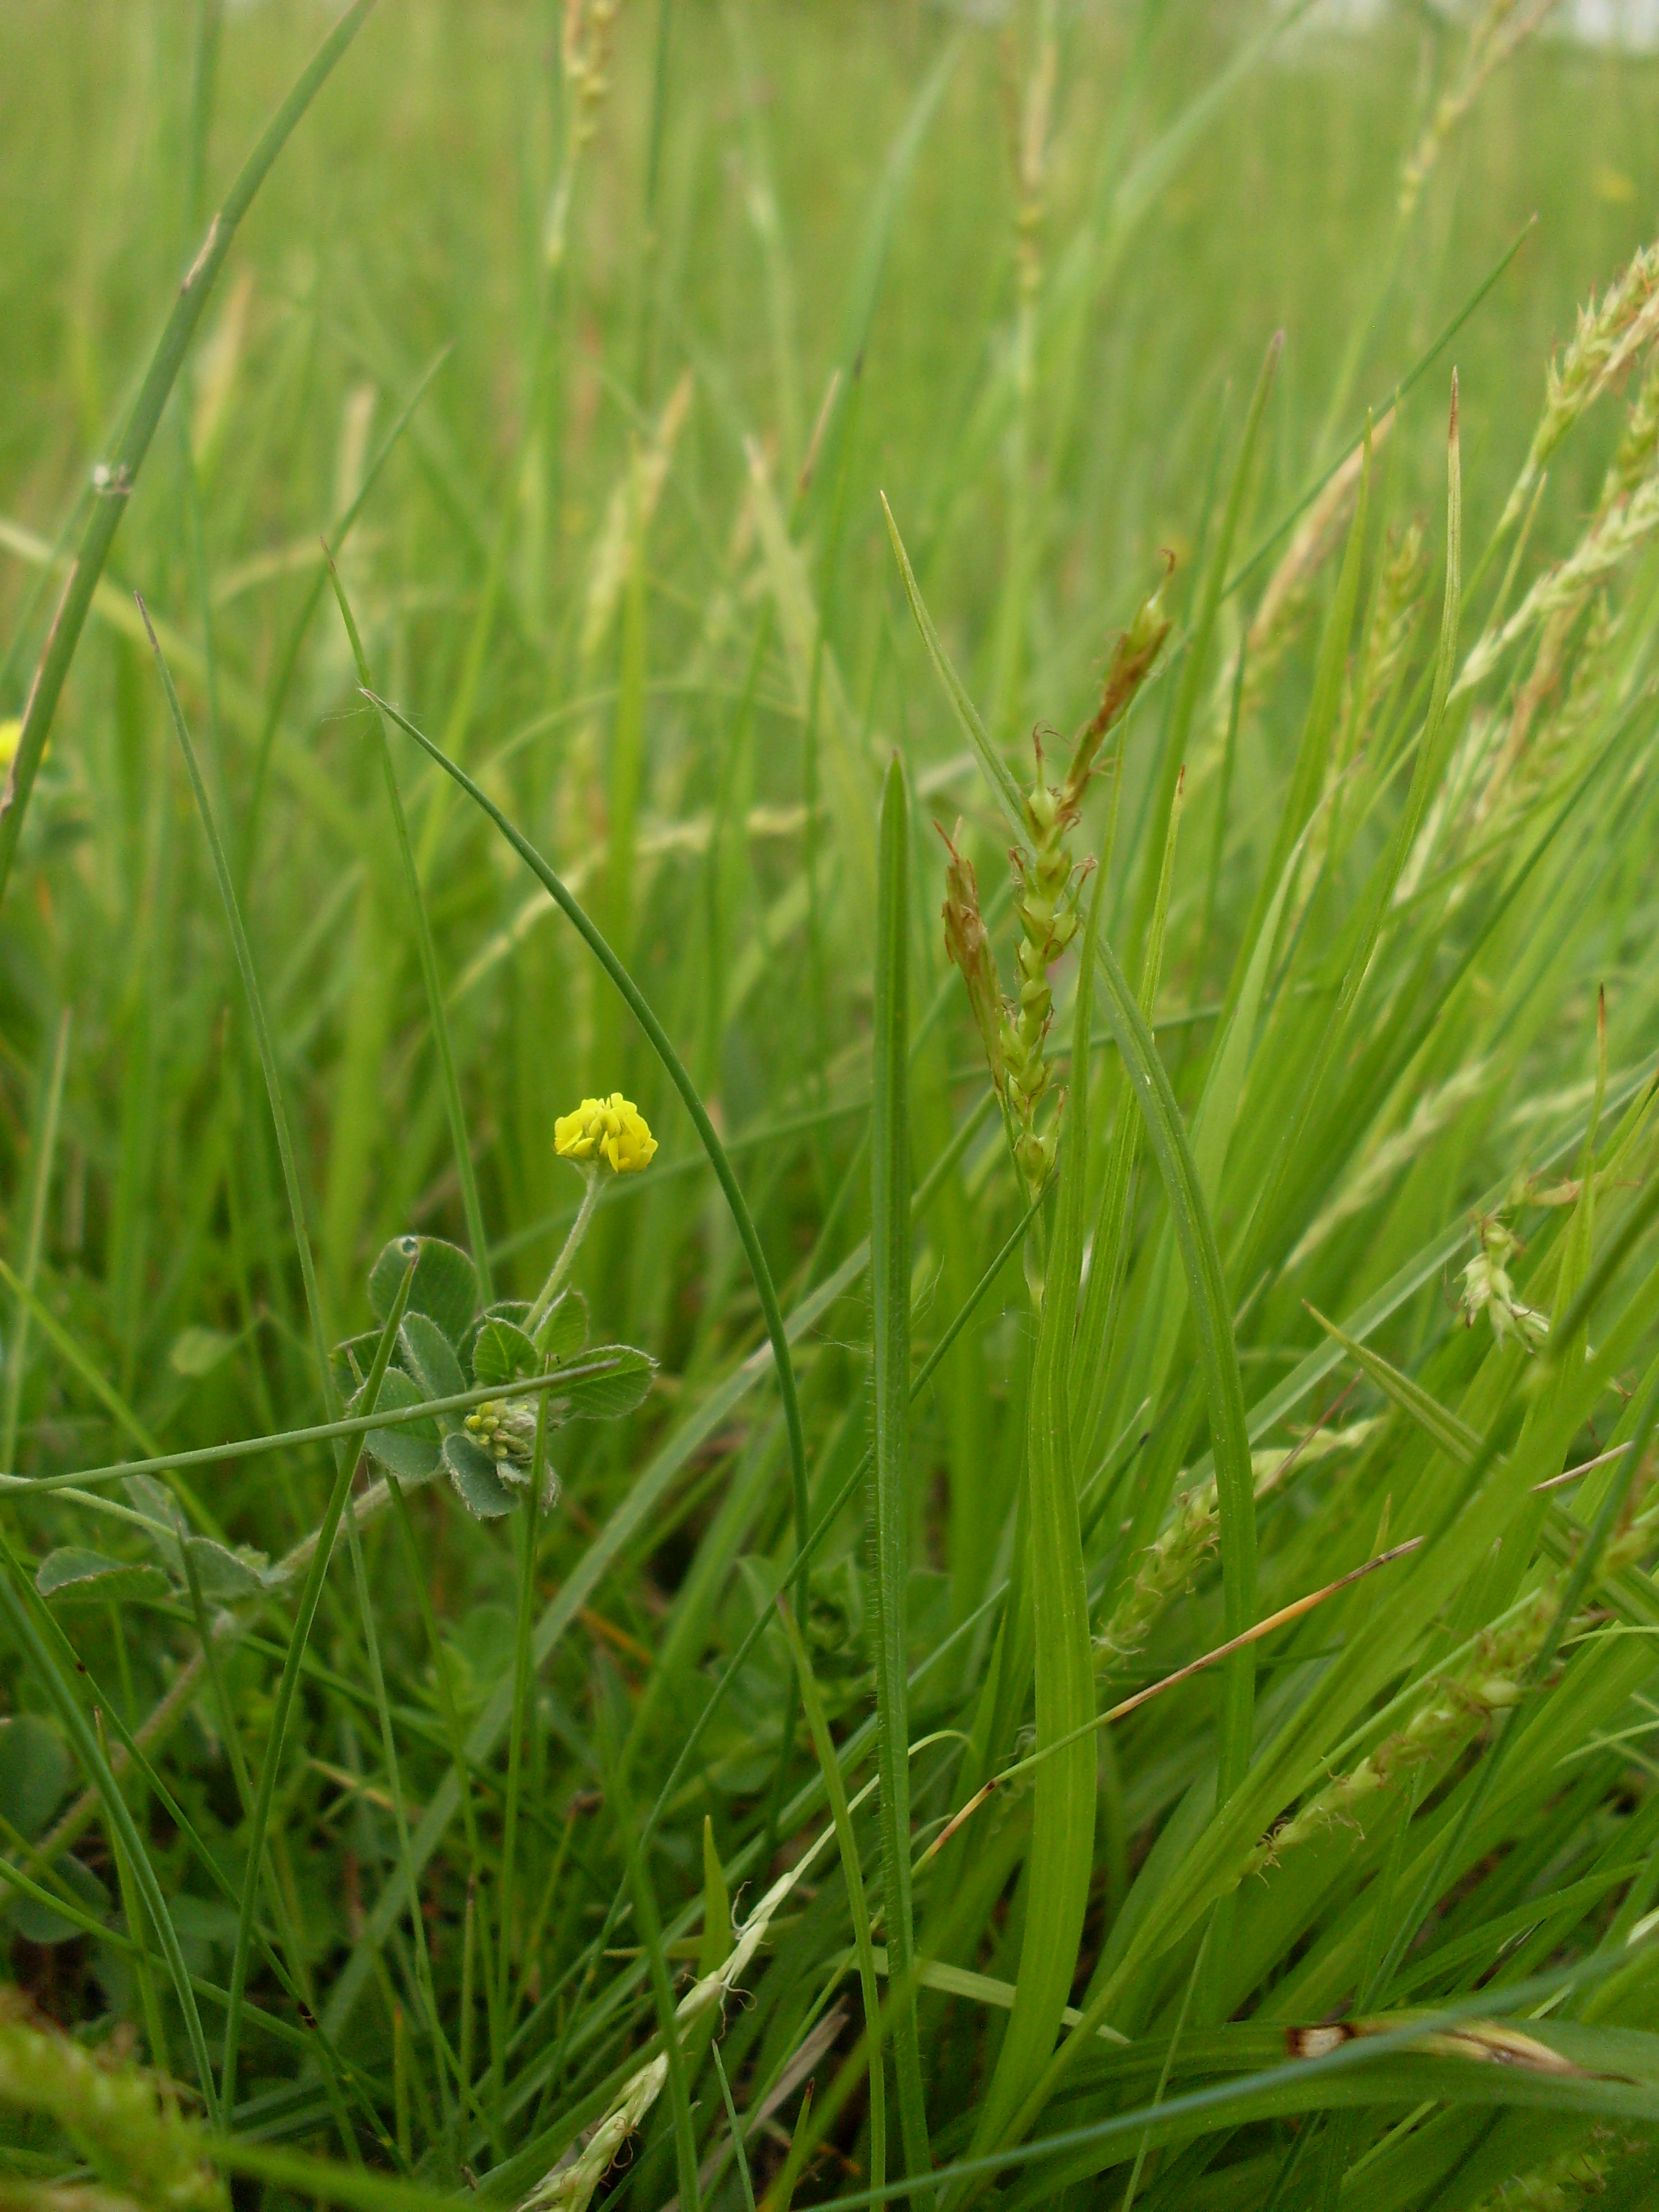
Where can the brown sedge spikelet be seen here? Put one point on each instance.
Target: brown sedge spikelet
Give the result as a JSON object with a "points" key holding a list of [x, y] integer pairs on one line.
{"points": [[1047, 885]]}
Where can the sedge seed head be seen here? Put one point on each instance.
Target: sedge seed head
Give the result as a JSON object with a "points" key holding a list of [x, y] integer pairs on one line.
{"points": [[611, 1129]]}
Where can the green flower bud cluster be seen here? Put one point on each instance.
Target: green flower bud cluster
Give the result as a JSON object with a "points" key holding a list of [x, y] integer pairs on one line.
{"points": [[509, 1431], [1456, 1708], [1168, 1566], [1454, 1712], [1487, 1288], [1399, 590], [1048, 884], [1564, 2183]]}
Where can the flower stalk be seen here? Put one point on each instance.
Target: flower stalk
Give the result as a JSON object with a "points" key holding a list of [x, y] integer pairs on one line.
{"points": [[600, 1133]]}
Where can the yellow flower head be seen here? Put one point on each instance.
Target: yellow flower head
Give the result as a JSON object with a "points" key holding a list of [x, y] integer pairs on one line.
{"points": [[10, 731], [612, 1129]]}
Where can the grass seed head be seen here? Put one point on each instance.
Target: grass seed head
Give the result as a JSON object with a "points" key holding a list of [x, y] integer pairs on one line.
{"points": [[967, 942]]}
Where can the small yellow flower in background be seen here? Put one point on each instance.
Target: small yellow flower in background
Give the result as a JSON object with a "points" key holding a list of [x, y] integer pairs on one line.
{"points": [[10, 733], [612, 1129]]}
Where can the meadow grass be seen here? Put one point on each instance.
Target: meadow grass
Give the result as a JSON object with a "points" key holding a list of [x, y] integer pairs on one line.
{"points": [[1048, 1600]]}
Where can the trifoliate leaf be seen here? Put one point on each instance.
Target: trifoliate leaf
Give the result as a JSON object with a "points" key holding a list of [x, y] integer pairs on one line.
{"points": [[430, 1357], [472, 1471], [35, 1773], [410, 1451], [39, 1924], [564, 1328], [197, 1351], [223, 1573], [161, 1510], [74, 1577], [413, 1459], [445, 1288], [617, 1391], [501, 1352], [205, 1924], [517, 1310]]}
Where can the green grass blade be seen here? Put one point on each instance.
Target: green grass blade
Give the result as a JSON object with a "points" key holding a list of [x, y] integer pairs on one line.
{"points": [[1062, 1862], [890, 1289], [287, 666], [344, 1461], [26, 1617], [1319, 726], [1196, 661], [1424, 362], [650, 1924], [847, 1843], [115, 481], [1444, 1429], [43, 1152], [442, 1043], [740, 2146], [350, 1425]]}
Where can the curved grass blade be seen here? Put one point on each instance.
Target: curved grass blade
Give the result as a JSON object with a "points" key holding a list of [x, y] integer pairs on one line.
{"points": [[350, 1425], [1424, 362], [1302, 2085], [287, 666], [1203, 631], [114, 480], [344, 1461], [434, 996], [641, 1011], [889, 1286]]}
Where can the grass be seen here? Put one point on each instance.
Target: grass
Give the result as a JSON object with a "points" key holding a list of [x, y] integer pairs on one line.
{"points": [[1051, 1603]]}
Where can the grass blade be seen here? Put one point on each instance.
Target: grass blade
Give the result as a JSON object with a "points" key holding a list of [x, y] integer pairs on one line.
{"points": [[344, 1461], [890, 1289], [27, 1617], [434, 996], [1062, 1862], [836, 1790], [114, 481], [44, 1149], [1203, 632]]}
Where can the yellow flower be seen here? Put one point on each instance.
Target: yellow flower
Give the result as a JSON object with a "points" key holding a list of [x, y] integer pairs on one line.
{"points": [[612, 1129], [10, 733]]}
